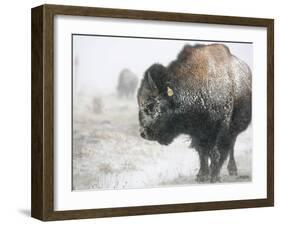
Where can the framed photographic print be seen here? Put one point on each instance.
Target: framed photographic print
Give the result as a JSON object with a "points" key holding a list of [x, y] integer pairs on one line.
{"points": [[141, 112]]}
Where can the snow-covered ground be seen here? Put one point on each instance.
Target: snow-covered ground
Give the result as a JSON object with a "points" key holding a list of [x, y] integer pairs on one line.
{"points": [[108, 152]]}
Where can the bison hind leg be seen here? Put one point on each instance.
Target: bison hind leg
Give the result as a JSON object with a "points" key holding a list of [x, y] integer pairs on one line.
{"points": [[231, 166], [224, 146]]}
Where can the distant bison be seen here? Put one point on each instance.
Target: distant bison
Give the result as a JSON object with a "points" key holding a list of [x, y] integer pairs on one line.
{"points": [[127, 83], [97, 105], [206, 93]]}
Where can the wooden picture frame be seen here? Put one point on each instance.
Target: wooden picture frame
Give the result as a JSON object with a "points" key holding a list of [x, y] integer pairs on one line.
{"points": [[42, 203]]}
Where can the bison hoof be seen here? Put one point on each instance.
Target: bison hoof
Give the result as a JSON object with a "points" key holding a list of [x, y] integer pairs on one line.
{"points": [[203, 177], [232, 170], [215, 179], [232, 173]]}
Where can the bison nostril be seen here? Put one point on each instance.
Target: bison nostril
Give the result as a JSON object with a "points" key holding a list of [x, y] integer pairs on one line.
{"points": [[142, 134], [148, 131]]}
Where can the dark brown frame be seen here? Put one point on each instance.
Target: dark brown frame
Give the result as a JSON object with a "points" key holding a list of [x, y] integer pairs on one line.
{"points": [[42, 203]]}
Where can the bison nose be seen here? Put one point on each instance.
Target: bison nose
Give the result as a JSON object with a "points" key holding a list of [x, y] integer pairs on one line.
{"points": [[146, 133], [142, 134]]}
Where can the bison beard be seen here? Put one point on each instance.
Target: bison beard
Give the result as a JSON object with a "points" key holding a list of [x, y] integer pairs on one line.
{"points": [[205, 93]]}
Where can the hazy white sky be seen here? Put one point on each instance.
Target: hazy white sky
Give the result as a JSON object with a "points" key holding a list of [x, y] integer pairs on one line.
{"points": [[100, 59]]}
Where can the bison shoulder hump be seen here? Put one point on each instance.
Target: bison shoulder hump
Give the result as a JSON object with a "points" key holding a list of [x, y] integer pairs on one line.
{"points": [[219, 49]]}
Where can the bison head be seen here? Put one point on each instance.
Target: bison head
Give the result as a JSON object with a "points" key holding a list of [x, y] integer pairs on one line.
{"points": [[155, 99]]}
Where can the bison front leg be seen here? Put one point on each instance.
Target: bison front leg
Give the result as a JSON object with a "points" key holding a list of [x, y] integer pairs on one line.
{"points": [[216, 164], [203, 174]]}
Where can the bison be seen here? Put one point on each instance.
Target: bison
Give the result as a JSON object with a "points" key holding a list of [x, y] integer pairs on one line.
{"points": [[127, 83], [205, 93]]}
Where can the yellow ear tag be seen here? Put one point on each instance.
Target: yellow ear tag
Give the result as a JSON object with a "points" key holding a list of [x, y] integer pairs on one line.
{"points": [[170, 92]]}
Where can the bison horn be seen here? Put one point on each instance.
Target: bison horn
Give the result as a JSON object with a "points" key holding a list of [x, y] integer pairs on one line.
{"points": [[150, 81], [170, 92]]}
